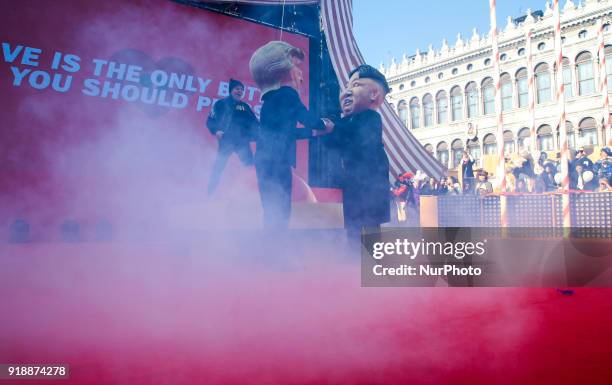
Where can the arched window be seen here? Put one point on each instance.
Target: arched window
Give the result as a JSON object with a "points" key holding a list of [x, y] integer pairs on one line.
{"points": [[429, 149], [456, 103], [608, 53], [415, 109], [509, 146], [545, 138], [571, 135], [488, 96], [586, 78], [567, 78], [471, 94], [506, 91], [428, 109], [442, 105], [442, 153], [402, 111], [588, 132], [522, 88], [415, 113], [542, 82], [490, 145], [473, 147], [457, 147], [522, 137]]}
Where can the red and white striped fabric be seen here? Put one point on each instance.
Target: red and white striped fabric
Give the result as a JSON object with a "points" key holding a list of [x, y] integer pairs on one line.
{"points": [[603, 84], [500, 171], [403, 149], [531, 95], [560, 96]]}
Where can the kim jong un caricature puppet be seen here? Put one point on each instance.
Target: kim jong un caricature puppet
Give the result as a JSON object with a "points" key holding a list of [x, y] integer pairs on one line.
{"points": [[358, 138]]}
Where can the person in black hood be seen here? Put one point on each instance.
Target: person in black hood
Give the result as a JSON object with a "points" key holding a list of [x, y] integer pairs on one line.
{"points": [[275, 67], [233, 123], [358, 138]]}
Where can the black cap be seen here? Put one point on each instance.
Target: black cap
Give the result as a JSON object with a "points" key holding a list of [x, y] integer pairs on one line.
{"points": [[369, 72], [235, 83]]}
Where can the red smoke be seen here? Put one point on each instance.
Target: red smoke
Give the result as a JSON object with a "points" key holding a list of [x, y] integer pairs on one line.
{"points": [[187, 312]]}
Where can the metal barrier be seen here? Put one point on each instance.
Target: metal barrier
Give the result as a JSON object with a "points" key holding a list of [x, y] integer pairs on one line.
{"points": [[588, 210]]}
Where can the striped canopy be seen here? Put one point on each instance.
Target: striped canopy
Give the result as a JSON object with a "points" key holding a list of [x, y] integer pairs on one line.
{"points": [[403, 149]]}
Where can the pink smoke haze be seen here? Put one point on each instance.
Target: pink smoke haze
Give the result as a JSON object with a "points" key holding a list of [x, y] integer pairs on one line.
{"points": [[207, 312], [187, 292]]}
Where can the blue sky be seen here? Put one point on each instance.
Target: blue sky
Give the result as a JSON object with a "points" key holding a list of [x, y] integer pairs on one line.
{"points": [[391, 27]]}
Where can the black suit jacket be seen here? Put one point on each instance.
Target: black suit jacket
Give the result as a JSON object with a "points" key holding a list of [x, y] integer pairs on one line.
{"points": [[281, 111], [365, 181]]}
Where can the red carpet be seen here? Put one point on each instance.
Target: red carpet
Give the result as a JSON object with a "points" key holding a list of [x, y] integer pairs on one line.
{"points": [[199, 314]]}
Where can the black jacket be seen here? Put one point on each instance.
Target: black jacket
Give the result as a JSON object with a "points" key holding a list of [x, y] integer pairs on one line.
{"points": [[467, 168], [235, 119], [587, 164], [365, 181], [587, 186], [548, 181], [281, 111], [526, 168]]}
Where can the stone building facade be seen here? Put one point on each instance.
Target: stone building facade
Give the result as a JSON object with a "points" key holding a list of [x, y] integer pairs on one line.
{"points": [[439, 93]]}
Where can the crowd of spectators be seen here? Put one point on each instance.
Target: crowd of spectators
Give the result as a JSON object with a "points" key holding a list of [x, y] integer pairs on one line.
{"points": [[544, 175], [523, 175]]}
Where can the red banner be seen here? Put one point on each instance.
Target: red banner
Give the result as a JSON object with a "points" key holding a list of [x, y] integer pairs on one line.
{"points": [[105, 106]]}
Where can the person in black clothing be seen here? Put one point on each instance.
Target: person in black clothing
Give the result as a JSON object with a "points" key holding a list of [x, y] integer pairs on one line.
{"points": [[442, 186], [430, 187], [543, 158], [583, 160], [467, 168], [582, 179], [275, 69], [233, 123], [524, 165], [452, 187], [547, 177], [358, 138]]}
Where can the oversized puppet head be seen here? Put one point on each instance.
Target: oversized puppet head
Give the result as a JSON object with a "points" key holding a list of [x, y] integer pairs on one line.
{"points": [[365, 90], [275, 64]]}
